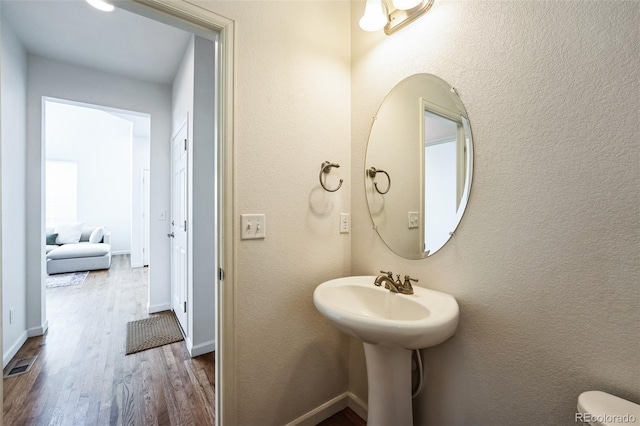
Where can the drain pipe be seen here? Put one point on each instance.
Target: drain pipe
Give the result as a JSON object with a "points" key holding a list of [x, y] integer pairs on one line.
{"points": [[420, 379]]}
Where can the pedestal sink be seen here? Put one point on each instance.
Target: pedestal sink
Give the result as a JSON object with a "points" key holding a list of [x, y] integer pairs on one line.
{"points": [[390, 325]]}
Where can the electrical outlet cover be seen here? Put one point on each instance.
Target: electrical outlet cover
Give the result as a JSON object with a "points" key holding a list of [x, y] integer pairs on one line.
{"points": [[345, 223], [413, 219]]}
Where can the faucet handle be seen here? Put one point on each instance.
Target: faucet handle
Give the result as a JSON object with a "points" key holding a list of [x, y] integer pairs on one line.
{"points": [[389, 274], [406, 286]]}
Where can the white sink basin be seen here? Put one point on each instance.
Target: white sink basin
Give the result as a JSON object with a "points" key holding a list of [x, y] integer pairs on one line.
{"points": [[376, 315]]}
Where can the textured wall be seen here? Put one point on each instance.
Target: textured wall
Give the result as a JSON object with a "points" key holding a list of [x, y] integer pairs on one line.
{"points": [[545, 263], [292, 98]]}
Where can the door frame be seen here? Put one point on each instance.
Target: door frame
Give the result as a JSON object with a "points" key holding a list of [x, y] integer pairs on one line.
{"points": [[203, 22]]}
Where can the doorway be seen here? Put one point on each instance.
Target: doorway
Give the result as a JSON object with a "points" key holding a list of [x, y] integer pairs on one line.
{"points": [[111, 149], [211, 26], [95, 162]]}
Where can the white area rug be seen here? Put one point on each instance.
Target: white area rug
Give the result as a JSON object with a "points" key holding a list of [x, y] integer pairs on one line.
{"points": [[64, 280]]}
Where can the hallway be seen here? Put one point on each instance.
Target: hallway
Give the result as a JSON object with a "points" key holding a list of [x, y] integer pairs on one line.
{"points": [[82, 376]]}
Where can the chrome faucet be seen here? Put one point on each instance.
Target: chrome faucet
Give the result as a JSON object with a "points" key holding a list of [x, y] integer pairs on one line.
{"points": [[389, 284], [396, 286]]}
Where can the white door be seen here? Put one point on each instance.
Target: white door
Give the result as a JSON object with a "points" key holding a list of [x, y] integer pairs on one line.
{"points": [[179, 191]]}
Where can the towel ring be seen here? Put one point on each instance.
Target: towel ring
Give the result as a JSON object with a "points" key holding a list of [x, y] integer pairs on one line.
{"points": [[326, 168], [371, 172]]}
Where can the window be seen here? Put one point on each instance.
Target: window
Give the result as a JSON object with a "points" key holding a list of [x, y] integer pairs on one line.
{"points": [[61, 192]]}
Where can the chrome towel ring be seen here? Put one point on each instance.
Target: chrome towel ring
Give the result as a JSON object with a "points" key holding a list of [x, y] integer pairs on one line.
{"points": [[372, 172], [326, 168]]}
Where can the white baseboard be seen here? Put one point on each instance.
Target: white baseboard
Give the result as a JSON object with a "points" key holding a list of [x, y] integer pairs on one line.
{"points": [[38, 331], [13, 349], [120, 252], [159, 308], [200, 349], [360, 407], [330, 408]]}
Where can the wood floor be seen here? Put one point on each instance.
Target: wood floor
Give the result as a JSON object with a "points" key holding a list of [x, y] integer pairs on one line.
{"points": [[82, 377], [346, 417]]}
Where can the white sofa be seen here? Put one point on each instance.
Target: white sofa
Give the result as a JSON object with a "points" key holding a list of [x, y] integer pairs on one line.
{"points": [[81, 256]]}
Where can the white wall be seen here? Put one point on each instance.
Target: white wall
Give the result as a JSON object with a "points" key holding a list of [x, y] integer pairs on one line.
{"points": [[59, 80], [182, 90], [193, 97], [202, 205], [101, 144], [545, 263], [12, 125], [292, 95]]}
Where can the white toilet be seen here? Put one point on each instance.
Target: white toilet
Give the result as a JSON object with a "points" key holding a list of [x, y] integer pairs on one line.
{"points": [[602, 409]]}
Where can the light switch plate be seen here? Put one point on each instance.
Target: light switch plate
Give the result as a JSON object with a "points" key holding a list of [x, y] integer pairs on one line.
{"points": [[253, 226], [413, 220]]}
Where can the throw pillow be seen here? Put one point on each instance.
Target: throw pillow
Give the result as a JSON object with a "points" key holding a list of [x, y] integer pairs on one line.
{"points": [[69, 233], [97, 235], [51, 239]]}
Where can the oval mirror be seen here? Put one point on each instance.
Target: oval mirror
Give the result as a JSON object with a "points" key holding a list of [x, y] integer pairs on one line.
{"points": [[418, 166]]}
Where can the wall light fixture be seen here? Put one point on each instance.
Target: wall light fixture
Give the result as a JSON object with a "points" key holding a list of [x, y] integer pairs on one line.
{"points": [[378, 14], [101, 5]]}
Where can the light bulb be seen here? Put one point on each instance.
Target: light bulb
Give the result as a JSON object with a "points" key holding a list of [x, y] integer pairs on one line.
{"points": [[101, 5], [406, 4], [374, 18]]}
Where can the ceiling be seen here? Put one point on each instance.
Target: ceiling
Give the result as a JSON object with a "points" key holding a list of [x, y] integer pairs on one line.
{"points": [[118, 42]]}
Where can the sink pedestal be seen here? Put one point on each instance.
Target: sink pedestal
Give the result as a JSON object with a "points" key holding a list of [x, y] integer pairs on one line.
{"points": [[389, 376]]}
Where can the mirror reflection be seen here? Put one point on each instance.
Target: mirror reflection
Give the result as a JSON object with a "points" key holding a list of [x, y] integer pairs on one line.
{"points": [[421, 141]]}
